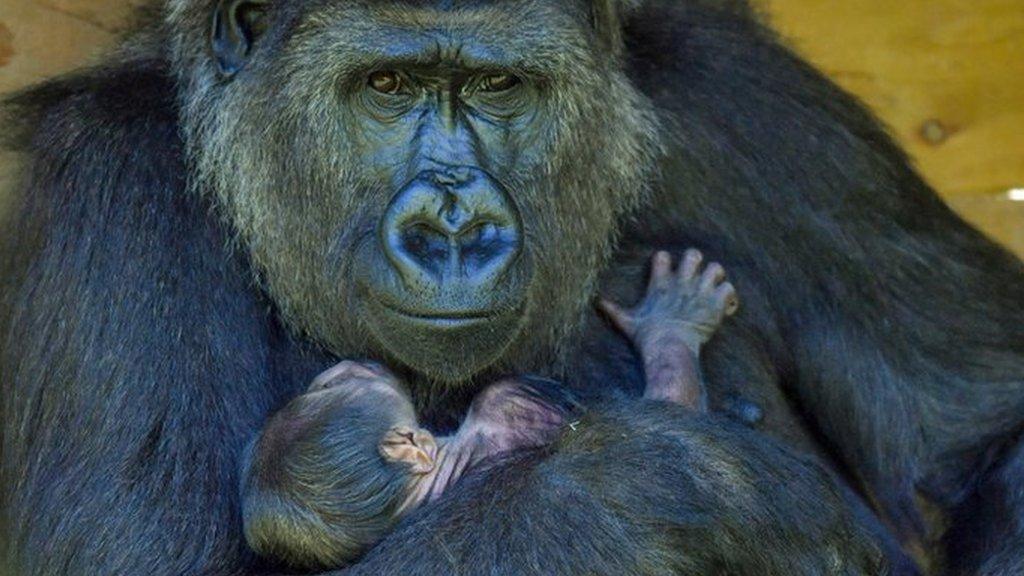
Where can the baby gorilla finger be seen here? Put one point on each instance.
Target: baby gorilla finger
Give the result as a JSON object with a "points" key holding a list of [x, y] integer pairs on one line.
{"points": [[713, 275], [691, 264], [727, 298], [661, 269], [622, 319]]}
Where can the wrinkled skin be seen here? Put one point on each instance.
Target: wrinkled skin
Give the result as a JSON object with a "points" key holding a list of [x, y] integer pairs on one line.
{"points": [[216, 215]]}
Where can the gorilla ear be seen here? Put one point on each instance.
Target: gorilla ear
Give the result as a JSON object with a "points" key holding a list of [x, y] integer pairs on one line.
{"points": [[236, 25]]}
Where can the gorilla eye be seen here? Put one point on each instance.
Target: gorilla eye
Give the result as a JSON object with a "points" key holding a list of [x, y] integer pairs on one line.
{"points": [[498, 83], [386, 82]]}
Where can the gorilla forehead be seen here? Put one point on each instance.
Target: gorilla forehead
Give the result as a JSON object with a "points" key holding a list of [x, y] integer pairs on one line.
{"points": [[525, 33]]}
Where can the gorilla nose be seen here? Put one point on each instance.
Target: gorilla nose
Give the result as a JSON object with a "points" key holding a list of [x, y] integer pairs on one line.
{"points": [[451, 225]]}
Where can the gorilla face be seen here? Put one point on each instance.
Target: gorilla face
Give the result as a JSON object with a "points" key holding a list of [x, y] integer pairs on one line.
{"points": [[436, 184]]}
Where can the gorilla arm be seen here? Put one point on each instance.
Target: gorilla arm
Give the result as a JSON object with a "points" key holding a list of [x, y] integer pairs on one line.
{"points": [[134, 355]]}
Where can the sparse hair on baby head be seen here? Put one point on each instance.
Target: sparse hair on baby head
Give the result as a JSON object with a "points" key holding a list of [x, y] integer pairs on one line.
{"points": [[315, 491]]}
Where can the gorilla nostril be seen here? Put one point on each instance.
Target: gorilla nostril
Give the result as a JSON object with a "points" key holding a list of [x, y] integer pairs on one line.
{"points": [[479, 235], [487, 244], [425, 243]]}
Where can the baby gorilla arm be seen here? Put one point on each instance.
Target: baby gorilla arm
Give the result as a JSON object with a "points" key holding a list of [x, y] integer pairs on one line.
{"points": [[514, 414], [679, 313]]}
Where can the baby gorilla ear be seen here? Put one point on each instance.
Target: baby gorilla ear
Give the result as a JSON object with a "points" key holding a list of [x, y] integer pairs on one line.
{"points": [[415, 447]]}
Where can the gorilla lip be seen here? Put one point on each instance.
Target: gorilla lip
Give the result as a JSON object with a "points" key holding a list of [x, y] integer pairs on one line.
{"points": [[447, 319]]}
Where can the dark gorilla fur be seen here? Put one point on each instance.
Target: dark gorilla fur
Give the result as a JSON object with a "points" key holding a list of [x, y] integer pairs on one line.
{"points": [[182, 260]]}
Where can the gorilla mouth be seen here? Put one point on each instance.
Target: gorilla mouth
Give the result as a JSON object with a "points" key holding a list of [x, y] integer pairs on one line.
{"points": [[447, 319], [446, 344]]}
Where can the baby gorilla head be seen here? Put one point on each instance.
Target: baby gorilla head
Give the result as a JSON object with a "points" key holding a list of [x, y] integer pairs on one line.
{"points": [[352, 386], [316, 489]]}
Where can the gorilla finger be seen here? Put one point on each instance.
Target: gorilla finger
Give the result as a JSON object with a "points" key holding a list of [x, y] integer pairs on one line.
{"points": [[620, 317], [728, 298], [713, 275]]}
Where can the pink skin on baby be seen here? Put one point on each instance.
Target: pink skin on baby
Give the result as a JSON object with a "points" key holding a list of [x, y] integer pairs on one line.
{"points": [[506, 416]]}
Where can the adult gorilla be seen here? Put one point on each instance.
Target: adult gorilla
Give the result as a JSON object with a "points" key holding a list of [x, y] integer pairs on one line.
{"points": [[250, 190]]}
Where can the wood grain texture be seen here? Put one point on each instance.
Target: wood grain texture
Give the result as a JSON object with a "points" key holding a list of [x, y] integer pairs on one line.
{"points": [[47, 37], [946, 75]]}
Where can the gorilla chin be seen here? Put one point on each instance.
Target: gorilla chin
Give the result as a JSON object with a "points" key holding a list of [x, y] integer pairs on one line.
{"points": [[450, 347]]}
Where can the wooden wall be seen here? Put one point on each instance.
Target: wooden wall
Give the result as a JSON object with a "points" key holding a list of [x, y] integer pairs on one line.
{"points": [[946, 75]]}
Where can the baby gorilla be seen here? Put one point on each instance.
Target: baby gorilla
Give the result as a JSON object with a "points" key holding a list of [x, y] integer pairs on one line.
{"points": [[335, 470]]}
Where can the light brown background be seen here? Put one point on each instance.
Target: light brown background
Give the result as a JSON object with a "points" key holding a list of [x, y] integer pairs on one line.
{"points": [[946, 75]]}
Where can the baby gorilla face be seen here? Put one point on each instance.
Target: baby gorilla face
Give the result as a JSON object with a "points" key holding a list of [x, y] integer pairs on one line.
{"points": [[352, 385]]}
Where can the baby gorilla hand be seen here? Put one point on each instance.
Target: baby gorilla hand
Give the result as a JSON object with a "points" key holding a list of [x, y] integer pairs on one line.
{"points": [[679, 313], [689, 304], [415, 447]]}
